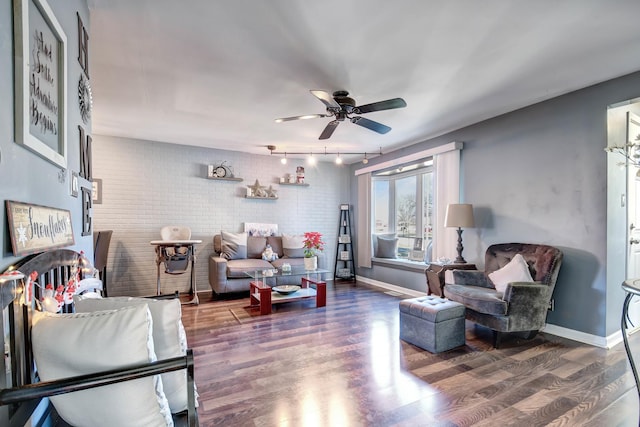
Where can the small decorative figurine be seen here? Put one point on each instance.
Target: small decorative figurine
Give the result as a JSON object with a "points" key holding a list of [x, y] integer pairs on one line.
{"points": [[300, 175], [268, 254]]}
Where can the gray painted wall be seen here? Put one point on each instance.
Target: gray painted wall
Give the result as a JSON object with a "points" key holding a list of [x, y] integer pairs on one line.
{"points": [[539, 175], [24, 176]]}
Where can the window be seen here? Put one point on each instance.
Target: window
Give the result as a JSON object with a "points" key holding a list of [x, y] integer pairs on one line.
{"points": [[437, 185], [403, 203]]}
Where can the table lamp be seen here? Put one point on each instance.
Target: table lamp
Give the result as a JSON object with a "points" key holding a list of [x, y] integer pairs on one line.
{"points": [[459, 215]]}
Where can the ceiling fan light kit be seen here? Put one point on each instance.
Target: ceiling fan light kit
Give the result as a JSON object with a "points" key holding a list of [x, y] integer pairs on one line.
{"points": [[342, 107]]}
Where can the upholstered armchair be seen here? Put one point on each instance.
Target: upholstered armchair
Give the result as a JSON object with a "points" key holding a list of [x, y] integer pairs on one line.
{"points": [[513, 293]]}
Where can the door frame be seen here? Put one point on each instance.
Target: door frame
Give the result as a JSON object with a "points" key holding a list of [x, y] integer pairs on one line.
{"points": [[617, 213]]}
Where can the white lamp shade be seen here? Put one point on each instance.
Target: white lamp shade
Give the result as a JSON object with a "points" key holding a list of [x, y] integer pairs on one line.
{"points": [[459, 215]]}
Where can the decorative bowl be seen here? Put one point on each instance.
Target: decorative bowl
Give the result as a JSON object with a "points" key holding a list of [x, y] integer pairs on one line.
{"points": [[286, 289]]}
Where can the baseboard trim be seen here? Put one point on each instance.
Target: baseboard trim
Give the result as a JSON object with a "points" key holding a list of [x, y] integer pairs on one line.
{"points": [[594, 340], [389, 286]]}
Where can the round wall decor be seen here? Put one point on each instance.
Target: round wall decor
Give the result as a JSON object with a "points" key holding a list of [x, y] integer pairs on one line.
{"points": [[85, 98]]}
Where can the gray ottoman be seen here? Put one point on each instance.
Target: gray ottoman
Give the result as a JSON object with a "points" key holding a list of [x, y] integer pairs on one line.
{"points": [[432, 323]]}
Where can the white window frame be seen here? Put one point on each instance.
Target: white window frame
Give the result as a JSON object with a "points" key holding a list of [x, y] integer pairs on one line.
{"points": [[446, 190]]}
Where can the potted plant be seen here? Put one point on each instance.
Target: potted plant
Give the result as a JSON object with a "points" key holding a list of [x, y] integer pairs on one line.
{"points": [[312, 245]]}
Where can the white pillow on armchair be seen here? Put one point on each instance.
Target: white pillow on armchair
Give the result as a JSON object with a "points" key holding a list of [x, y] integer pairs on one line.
{"points": [[516, 270]]}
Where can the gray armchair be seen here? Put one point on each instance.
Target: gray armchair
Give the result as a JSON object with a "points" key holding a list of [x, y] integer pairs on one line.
{"points": [[523, 305]]}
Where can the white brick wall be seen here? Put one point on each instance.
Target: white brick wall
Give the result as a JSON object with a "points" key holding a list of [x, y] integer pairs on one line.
{"points": [[147, 185]]}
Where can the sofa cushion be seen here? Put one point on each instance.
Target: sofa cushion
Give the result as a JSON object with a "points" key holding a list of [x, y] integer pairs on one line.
{"points": [[234, 245], [293, 246], [255, 246], [276, 245], [515, 271], [386, 247], [291, 261], [238, 267], [482, 300]]}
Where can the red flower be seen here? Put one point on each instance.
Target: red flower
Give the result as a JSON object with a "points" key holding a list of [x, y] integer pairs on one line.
{"points": [[312, 243]]}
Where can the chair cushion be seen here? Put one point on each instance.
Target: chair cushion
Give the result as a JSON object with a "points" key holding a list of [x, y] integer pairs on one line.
{"points": [[238, 267], [482, 300], [515, 271], [543, 260], [169, 337], [234, 245], [95, 342]]}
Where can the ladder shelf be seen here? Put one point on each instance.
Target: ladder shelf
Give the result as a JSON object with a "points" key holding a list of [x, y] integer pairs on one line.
{"points": [[344, 267]]}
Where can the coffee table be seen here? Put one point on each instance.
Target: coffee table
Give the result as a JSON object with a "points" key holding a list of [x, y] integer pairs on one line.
{"points": [[263, 296]]}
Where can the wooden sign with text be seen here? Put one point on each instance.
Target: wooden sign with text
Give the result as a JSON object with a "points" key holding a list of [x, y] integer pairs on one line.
{"points": [[35, 228]]}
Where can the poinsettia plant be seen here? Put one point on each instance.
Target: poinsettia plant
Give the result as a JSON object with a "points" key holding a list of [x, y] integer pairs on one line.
{"points": [[312, 243]]}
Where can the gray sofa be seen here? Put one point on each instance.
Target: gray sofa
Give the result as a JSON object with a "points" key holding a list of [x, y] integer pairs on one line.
{"points": [[229, 275], [523, 305]]}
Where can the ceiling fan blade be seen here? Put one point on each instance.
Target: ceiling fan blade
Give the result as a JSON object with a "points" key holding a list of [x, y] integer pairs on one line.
{"points": [[328, 130], [306, 116], [371, 125], [326, 98], [389, 104]]}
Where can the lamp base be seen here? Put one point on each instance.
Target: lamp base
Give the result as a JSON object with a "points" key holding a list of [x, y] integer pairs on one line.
{"points": [[459, 259]]}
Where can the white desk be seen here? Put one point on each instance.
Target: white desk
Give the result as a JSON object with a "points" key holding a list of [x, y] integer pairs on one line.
{"points": [[190, 245]]}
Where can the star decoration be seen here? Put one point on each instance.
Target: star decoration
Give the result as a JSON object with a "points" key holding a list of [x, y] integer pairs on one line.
{"points": [[258, 190], [22, 235], [271, 192]]}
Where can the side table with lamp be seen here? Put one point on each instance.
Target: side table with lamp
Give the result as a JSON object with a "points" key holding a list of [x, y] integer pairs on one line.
{"points": [[435, 273], [458, 215]]}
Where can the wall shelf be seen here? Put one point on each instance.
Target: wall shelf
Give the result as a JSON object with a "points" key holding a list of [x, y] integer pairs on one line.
{"points": [[294, 184], [261, 198], [225, 179]]}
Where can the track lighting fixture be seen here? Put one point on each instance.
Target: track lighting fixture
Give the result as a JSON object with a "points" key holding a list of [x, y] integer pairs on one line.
{"points": [[312, 160]]}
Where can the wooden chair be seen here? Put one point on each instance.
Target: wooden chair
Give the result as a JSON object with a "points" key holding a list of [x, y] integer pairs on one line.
{"points": [[101, 242]]}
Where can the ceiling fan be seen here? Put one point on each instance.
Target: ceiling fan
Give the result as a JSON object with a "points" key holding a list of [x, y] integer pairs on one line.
{"points": [[341, 106]]}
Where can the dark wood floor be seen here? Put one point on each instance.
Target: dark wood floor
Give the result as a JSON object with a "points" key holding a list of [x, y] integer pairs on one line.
{"points": [[344, 365]]}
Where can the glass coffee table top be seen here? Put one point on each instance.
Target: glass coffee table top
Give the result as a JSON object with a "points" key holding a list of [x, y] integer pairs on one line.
{"points": [[267, 287], [277, 272]]}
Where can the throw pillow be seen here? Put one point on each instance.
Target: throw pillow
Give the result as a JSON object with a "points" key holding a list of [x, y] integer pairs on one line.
{"points": [[374, 240], [95, 342], [387, 247], [169, 337], [516, 270], [276, 244], [234, 245], [255, 246], [293, 246]]}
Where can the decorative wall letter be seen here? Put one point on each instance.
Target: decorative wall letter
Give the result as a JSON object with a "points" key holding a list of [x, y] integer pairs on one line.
{"points": [[86, 211], [83, 46], [85, 154]]}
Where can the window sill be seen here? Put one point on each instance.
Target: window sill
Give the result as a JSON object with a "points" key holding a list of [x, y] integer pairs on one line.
{"points": [[400, 264]]}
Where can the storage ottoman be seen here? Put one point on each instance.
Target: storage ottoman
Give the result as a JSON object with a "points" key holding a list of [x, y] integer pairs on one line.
{"points": [[432, 323]]}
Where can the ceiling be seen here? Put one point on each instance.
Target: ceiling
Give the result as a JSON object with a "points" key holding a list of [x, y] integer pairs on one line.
{"points": [[216, 73]]}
